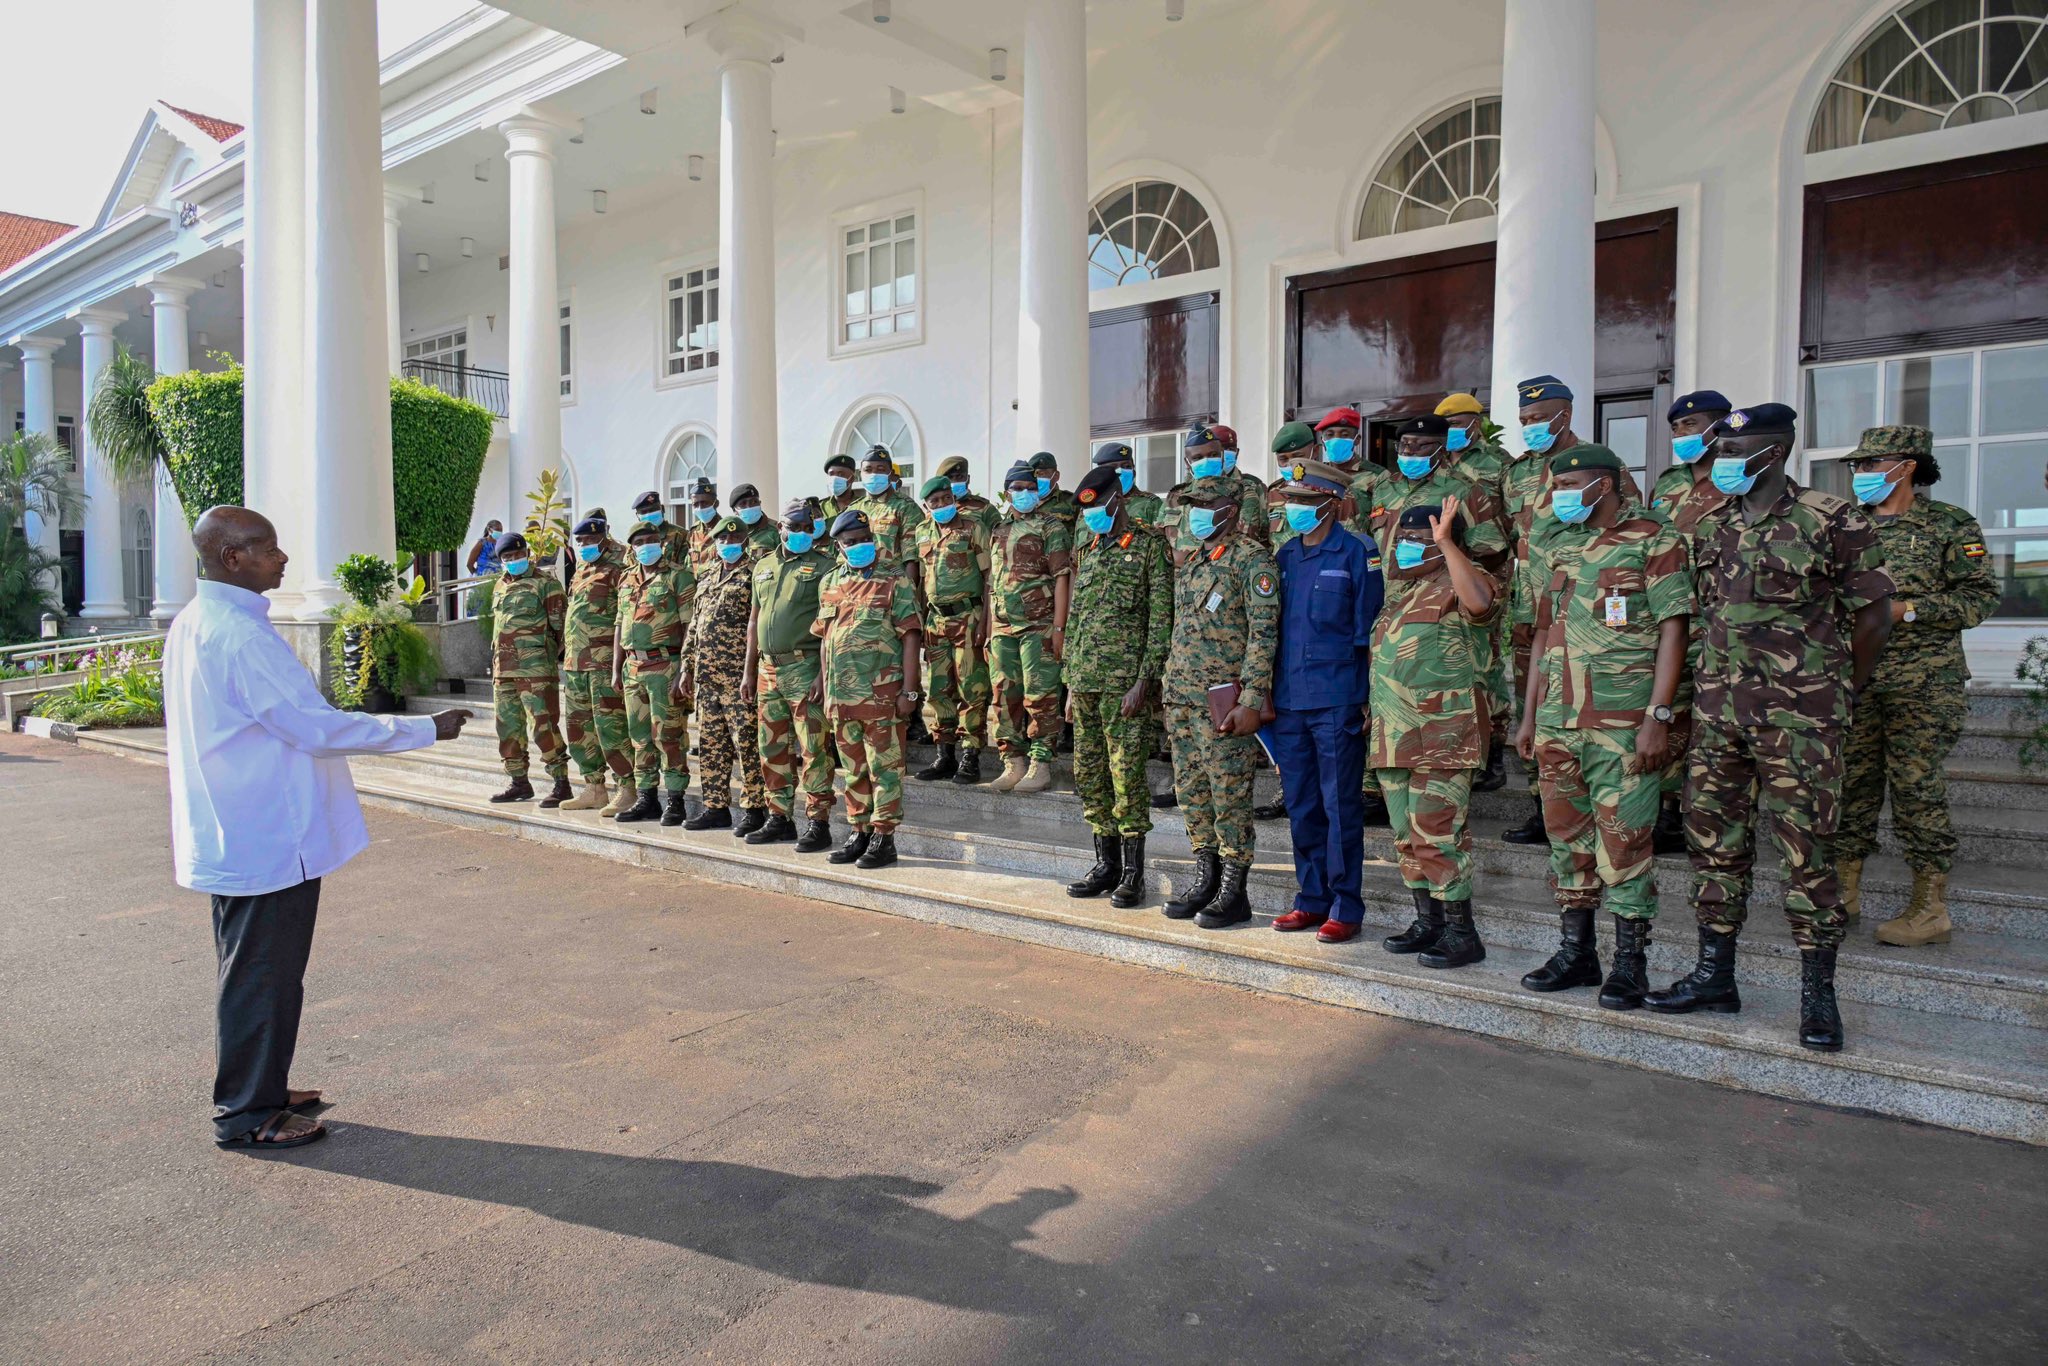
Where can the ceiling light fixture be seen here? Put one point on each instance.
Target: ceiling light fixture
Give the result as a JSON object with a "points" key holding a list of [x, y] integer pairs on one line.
{"points": [[696, 167], [421, 262], [483, 170], [1174, 10], [895, 100], [999, 64], [647, 101], [427, 193], [880, 11], [598, 200]]}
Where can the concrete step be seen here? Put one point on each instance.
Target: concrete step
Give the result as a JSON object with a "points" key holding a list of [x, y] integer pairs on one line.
{"points": [[1910, 1060]]}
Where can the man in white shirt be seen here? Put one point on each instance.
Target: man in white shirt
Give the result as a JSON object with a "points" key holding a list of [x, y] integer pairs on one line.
{"points": [[262, 807]]}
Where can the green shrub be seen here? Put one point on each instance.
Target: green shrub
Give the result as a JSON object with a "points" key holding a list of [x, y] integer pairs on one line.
{"points": [[438, 444], [199, 414], [396, 652], [119, 690], [369, 579]]}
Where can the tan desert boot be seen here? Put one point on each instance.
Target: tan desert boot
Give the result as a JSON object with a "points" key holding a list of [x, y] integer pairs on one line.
{"points": [[1012, 774], [628, 796], [1849, 872], [593, 797], [1037, 778], [1926, 920]]}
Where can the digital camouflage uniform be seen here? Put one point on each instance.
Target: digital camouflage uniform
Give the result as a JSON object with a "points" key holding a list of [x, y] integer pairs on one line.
{"points": [[1148, 508], [953, 563], [715, 657], [526, 660], [1777, 598], [793, 732], [594, 712], [1027, 556], [863, 615], [1251, 513], [655, 603], [1912, 711], [1226, 608], [1119, 627], [894, 518], [1597, 628]]}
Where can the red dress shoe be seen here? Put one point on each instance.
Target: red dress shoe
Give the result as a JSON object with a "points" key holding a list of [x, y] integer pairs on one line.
{"points": [[1298, 920], [1336, 932]]}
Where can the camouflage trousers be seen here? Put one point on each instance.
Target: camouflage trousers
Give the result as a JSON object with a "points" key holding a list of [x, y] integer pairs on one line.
{"points": [[871, 760], [1110, 750], [655, 723], [1900, 739], [793, 734], [1212, 777], [1601, 818], [956, 683], [1739, 779], [1026, 682], [1427, 808], [1497, 669], [524, 702], [727, 736], [594, 723]]}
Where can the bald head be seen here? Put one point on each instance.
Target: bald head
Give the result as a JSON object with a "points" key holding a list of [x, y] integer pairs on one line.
{"points": [[239, 547]]}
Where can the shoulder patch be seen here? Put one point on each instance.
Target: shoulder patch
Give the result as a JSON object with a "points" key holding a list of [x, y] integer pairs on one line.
{"points": [[1372, 562], [1264, 584], [1974, 550]]}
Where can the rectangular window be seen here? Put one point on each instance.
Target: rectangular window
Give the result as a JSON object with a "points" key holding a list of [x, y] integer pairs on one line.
{"points": [[877, 298], [568, 356], [690, 327], [67, 434]]}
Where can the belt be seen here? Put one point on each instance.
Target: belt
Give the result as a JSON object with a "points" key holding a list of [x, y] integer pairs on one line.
{"points": [[790, 656], [954, 609], [652, 656]]}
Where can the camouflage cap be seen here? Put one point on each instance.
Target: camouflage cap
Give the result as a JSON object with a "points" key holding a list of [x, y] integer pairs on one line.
{"points": [[938, 483], [1295, 436], [1459, 405], [1894, 443], [1587, 455], [1205, 490], [730, 526]]}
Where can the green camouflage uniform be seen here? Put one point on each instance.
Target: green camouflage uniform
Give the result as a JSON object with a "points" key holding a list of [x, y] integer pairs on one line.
{"points": [[1686, 504], [1486, 464], [1597, 629], [1526, 504], [1027, 556], [1912, 711], [1148, 508], [1060, 504], [953, 563], [526, 663], [832, 505], [655, 604], [715, 658], [1777, 598], [894, 518], [982, 511], [1673, 484], [594, 712], [793, 731], [762, 538], [1119, 627], [1251, 513], [1364, 493], [863, 615]]}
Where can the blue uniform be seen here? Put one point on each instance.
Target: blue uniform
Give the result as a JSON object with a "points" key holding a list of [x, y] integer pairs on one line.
{"points": [[1329, 598]]}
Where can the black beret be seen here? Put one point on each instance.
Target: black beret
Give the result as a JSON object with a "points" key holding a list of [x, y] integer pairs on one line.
{"points": [[510, 542], [853, 519], [647, 501], [836, 461], [1020, 473], [1096, 485], [879, 453], [1044, 460], [1587, 455], [1429, 424], [799, 510], [1418, 517], [1109, 452], [1698, 401], [592, 526], [743, 491], [1766, 418], [1541, 387]]}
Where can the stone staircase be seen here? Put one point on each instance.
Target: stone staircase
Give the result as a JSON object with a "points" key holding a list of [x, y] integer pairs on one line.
{"points": [[1954, 1035]]}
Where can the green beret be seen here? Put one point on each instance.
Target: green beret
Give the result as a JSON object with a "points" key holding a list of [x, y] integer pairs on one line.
{"points": [[936, 484], [730, 526], [1044, 460], [952, 464], [1295, 436], [1587, 455]]}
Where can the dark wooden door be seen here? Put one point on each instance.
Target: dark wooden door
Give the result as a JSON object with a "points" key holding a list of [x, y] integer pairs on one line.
{"points": [[1153, 367]]}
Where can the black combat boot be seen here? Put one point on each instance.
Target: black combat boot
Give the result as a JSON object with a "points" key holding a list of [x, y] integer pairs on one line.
{"points": [[676, 809], [752, 818], [1709, 986], [881, 851], [1130, 887], [1820, 1022], [914, 733], [1459, 943], [945, 766], [518, 790], [1376, 813], [1275, 810], [1669, 835], [1576, 962], [1628, 975], [777, 829], [968, 771], [1208, 872], [817, 835], [1231, 906], [1165, 801], [1423, 932], [1531, 831], [850, 852], [648, 808], [1108, 869], [559, 793], [710, 818], [1494, 776]]}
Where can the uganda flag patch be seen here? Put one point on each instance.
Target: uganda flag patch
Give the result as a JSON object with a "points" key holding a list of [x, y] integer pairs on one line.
{"points": [[1262, 583], [1974, 550]]}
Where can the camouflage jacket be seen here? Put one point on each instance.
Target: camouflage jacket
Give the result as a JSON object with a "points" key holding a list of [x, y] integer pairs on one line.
{"points": [[1673, 484], [1060, 503], [655, 604], [952, 561], [1936, 557], [1364, 492], [715, 640], [1777, 598], [594, 609], [1429, 705], [982, 511], [762, 539], [1148, 508], [1226, 610], [1602, 613], [1485, 464], [1120, 622], [1026, 555], [675, 541], [1536, 527], [894, 519], [1486, 530], [863, 615], [703, 549], [526, 625], [832, 505]]}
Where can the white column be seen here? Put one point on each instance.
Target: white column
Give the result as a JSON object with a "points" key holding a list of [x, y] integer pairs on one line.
{"points": [[1543, 267], [532, 317], [348, 499], [276, 432], [104, 595], [1052, 304], [39, 414], [176, 568], [747, 445], [394, 344]]}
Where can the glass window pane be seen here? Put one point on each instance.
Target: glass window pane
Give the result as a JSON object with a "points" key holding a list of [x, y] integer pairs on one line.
{"points": [[906, 272], [855, 236], [2015, 390], [907, 321], [881, 279], [878, 230], [1629, 438], [565, 350], [1931, 392], [884, 325], [857, 331], [2010, 495], [1841, 401], [906, 223], [857, 283]]}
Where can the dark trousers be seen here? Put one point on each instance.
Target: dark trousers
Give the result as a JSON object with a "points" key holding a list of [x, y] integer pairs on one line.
{"points": [[263, 943], [1321, 758]]}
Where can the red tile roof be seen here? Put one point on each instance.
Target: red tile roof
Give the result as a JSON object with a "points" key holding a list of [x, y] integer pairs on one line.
{"points": [[22, 236], [220, 130]]}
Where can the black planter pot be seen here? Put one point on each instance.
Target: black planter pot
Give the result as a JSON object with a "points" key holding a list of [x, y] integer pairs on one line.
{"points": [[376, 697]]}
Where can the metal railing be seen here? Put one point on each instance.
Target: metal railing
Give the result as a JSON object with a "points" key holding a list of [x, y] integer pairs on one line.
{"points": [[491, 388], [65, 646]]}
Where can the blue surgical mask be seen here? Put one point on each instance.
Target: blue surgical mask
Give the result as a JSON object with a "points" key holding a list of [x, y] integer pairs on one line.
{"points": [[1339, 449], [1099, 520], [653, 518], [959, 488], [705, 516], [1230, 460], [647, 552], [730, 553], [1414, 466], [1302, 517], [1457, 439], [1686, 449], [876, 482], [943, 515], [1408, 554], [516, 567], [751, 516], [1731, 474], [1126, 480], [797, 542], [1569, 506], [1044, 486], [840, 484], [1539, 437], [1023, 499], [861, 554], [1202, 523], [1872, 486], [589, 553], [1207, 468]]}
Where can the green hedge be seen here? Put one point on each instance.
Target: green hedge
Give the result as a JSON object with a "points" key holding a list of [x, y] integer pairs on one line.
{"points": [[200, 416]]}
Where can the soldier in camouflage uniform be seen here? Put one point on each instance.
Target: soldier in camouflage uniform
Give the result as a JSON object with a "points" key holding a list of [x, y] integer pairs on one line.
{"points": [[648, 508], [1029, 557], [873, 643], [762, 537], [1226, 607], [593, 712], [703, 531], [1477, 456], [892, 515], [952, 560], [1597, 722], [1910, 715], [656, 599], [1791, 585], [782, 671], [1207, 455], [1120, 626], [1053, 501], [714, 667], [972, 504], [842, 477], [1147, 509], [526, 662]]}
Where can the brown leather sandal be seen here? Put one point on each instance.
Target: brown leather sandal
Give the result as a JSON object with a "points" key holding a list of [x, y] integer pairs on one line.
{"points": [[285, 1129]]}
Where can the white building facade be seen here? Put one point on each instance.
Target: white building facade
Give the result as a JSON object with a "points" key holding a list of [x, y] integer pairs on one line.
{"points": [[672, 239]]}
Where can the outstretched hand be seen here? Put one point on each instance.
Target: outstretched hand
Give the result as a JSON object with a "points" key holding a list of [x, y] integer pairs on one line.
{"points": [[448, 724]]}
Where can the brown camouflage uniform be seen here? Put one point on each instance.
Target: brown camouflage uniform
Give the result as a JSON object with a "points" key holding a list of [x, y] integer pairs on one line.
{"points": [[714, 661], [1027, 556], [594, 712], [953, 565], [863, 615], [655, 603], [526, 661], [793, 732]]}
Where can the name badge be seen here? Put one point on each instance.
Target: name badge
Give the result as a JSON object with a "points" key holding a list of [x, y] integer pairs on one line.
{"points": [[1617, 610], [1215, 601]]}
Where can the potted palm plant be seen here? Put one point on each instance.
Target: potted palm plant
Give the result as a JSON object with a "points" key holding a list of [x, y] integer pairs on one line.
{"points": [[379, 652], [34, 477]]}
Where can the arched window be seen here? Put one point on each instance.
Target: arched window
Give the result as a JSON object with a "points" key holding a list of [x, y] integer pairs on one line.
{"points": [[1936, 64], [1147, 230], [878, 424], [1446, 170], [139, 563], [694, 456]]}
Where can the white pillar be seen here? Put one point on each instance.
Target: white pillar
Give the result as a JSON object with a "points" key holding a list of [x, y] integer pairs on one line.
{"points": [[1052, 302], [104, 595], [533, 317], [276, 432], [176, 567], [747, 444], [394, 344], [349, 498], [39, 414], [1543, 267]]}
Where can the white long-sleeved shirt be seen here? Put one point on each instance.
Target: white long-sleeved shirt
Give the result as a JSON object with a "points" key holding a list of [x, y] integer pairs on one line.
{"points": [[261, 797]]}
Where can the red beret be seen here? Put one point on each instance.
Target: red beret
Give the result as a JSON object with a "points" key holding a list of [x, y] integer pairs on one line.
{"points": [[1225, 436], [1340, 417]]}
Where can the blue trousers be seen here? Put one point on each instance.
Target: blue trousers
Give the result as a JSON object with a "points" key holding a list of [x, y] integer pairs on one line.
{"points": [[1321, 757]]}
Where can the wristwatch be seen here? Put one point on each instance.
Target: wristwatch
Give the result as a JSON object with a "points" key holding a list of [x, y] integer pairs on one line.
{"points": [[913, 694], [1662, 713], [1911, 613]]}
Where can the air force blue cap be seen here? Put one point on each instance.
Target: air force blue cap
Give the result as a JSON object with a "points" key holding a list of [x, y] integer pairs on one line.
{"points": [[1699, 401], [853, 519], [1542, 387], [592, 526]]}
